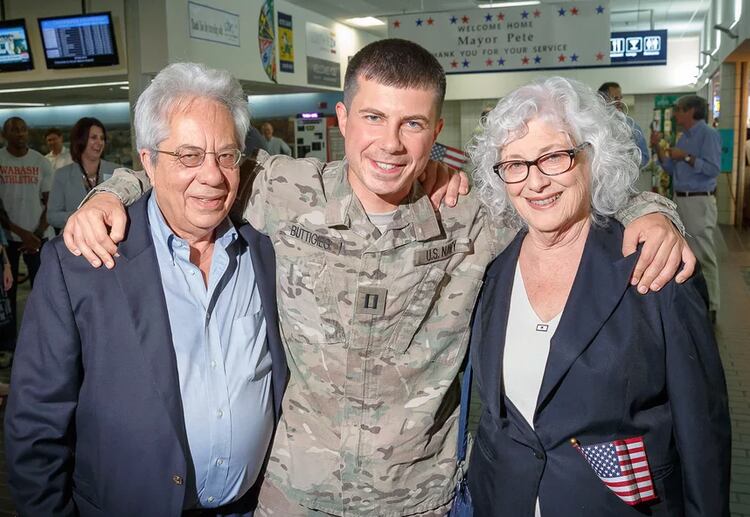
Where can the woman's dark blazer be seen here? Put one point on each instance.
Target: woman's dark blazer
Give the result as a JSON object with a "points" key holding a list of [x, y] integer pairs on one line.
{"points": [[621, 365]]}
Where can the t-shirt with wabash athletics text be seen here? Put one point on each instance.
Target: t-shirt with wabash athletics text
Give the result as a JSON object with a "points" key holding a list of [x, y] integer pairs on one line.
{"points": [[22, 182]]}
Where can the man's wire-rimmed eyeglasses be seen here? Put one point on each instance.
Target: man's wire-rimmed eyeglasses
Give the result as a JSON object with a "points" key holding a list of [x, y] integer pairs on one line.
{"points": [[195, 156]]}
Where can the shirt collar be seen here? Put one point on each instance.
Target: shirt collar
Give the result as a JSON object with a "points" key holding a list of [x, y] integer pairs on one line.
{"points": [[342, 204], [698, 126]]}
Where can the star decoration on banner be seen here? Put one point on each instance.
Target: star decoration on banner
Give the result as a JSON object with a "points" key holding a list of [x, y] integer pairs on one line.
{"points": [[525, 60], [599, 56], [419, 22], [599, 9], [537, 13], [574, 11], [454, 64], [489, 62], [561, 12], [466, 63], [500, 16], [430, 21], [397, 24], [525, 14], [488, 18], [574, 57], [454, 19], [561, 58], [537, 60], [465, 19], [501, 62]]}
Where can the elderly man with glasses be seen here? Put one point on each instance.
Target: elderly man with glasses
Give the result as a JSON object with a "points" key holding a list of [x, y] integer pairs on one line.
{"points": [[152, 389]]}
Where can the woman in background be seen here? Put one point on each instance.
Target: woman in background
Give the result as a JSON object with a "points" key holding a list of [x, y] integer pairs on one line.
{"points": [[597, 400], [72, 182]]}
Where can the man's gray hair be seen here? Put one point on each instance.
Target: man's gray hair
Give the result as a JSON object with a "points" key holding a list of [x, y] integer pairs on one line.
{"points": [[179, 83], [577, 110]]}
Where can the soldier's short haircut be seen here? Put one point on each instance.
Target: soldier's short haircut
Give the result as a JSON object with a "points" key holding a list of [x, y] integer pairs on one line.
{"points": [[697, 103], [398, 63]]}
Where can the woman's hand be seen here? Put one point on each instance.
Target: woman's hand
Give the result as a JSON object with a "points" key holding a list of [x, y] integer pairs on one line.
{"points": [[7, 277]]}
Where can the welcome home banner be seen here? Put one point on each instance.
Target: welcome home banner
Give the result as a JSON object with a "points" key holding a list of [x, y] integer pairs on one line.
{"points": [[546, 36]]}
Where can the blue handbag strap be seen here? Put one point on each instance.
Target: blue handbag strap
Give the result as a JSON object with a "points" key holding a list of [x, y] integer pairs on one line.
{"points": [[463, 417]]}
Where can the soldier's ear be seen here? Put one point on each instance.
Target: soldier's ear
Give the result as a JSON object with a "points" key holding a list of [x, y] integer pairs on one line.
{"points": [[342, 114]]}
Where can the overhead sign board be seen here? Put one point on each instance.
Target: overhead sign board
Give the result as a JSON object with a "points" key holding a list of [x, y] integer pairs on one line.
{"points": [[538, 37], [638, 48]]}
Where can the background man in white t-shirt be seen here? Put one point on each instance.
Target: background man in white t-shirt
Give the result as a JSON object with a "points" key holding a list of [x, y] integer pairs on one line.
{"points": [[25, 182], [58, 155]]}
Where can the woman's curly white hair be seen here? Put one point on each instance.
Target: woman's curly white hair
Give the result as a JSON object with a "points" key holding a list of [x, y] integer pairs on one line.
{"points": [[580, 112]]}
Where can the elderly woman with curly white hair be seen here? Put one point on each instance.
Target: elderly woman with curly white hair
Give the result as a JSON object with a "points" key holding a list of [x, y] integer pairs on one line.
{"points": [[597, 401]]}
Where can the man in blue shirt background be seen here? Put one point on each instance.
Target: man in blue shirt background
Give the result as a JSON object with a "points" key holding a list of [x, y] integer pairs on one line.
{"points": [[694, 164], [612, 92]]}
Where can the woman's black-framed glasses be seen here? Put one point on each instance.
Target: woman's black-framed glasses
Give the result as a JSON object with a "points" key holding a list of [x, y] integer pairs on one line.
{"points": [[195, 156], [549, 164]]}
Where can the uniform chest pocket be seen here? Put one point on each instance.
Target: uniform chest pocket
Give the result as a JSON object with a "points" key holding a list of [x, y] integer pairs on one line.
{"points": [[435, 325], [308, 312]]}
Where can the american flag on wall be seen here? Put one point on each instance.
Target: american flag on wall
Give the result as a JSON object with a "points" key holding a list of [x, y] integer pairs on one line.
{"points": [[452, 157], [623, 466]]}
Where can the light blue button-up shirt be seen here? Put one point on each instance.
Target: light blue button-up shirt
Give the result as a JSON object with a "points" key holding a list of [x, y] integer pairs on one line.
{"points": [[704, 144], [640, 141], [224, 366]]}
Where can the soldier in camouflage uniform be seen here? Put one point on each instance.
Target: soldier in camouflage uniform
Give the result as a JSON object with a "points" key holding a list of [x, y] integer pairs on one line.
{"points": [[376, 292]]}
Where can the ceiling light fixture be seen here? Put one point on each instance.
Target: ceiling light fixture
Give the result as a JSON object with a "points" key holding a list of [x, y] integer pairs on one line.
{"points": [[367, 21], [62, 87], [23, 104], [493, 5]]}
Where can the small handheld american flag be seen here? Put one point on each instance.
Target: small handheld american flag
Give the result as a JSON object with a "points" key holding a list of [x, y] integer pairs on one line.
{"points": [[452, 157], [622, 465]]}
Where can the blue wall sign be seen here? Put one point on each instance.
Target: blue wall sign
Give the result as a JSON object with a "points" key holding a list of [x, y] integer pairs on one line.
{"points": [[638, 48]]}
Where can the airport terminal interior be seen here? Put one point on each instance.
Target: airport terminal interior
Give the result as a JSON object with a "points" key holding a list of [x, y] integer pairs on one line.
{"points": [[63, 62]]}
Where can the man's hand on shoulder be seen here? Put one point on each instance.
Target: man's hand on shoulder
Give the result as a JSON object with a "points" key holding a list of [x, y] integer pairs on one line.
{"points": [[664, 249], [86, 232], [441, 183]]}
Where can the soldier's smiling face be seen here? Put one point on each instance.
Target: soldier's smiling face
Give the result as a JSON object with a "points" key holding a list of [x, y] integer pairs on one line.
{"points": [[388, 134]]}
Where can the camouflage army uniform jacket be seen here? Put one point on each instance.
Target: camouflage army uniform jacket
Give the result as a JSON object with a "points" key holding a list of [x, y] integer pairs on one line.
{"points": [[375, 328]]}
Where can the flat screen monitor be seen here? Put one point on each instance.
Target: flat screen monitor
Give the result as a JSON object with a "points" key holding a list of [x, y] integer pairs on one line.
{"points": [[79, 41], [15, 53]]}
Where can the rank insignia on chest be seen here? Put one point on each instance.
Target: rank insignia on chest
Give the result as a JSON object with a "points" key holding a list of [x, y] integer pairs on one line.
{"points": [[443, 250], [316, 239], [371, 300]]}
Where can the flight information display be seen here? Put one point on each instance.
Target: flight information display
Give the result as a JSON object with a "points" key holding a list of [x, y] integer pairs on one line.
{"points": [[15, 53], [79, 41]]}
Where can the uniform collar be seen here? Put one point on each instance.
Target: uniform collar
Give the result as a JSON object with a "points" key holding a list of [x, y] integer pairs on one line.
{"points": [[344, 207]]}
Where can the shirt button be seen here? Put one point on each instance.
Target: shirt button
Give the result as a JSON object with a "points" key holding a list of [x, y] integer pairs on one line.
{"points": [[213, 364], [220, 461], [210, 499], [192, 272], [219, 413], [539, 455], [177, 480]]}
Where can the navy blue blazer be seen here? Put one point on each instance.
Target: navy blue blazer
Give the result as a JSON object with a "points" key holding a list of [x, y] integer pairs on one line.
{"points": [[95, 423], [621, 365]]}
